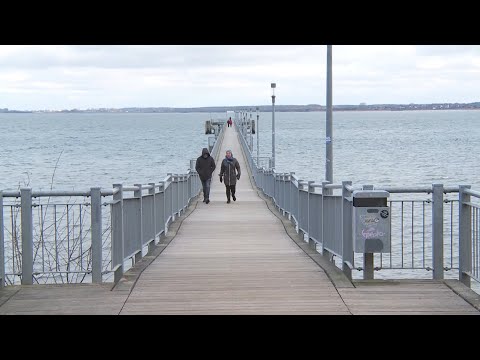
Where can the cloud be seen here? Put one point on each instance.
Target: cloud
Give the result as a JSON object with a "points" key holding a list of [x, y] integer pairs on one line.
{"points": [[86, 76]]}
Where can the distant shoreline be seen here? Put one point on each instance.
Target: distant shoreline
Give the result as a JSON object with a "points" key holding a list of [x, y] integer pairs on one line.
{"points": [[264, 108]]}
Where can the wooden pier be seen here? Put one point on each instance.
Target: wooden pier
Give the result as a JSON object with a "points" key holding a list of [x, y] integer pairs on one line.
{"points": [[239, 258]]}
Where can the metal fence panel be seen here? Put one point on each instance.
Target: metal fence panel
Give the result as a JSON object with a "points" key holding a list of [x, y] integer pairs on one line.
{"points": [[148, 221], [315, 217], [332, 224], [159, 212], [303, 211], [131, 218]]}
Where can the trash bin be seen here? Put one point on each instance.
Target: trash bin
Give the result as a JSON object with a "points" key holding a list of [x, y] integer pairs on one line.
{"points": [[371, 221]]}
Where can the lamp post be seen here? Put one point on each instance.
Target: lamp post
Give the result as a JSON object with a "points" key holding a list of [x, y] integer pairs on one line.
{"points": [[328, 139], [258, 143], [273, 85], [244, 124], [251, 132]]}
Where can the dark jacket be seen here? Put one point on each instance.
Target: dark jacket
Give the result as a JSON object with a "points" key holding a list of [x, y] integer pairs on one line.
{"points": [[205, 167], [227, 171]]}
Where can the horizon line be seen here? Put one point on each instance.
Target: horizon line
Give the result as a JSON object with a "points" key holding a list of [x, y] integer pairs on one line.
{"points": [[242, 107]]}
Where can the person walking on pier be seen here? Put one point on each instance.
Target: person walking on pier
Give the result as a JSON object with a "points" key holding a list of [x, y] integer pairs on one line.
{"points": [[205, 166], [229, 174]]}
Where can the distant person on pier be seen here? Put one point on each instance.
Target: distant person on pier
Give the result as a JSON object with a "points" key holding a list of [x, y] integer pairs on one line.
{"points": [[229, 122], [205, 166], [229, 174]]}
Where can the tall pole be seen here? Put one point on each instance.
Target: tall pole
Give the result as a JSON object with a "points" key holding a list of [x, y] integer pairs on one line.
{"points": [[244, 124], [258, 143], [329, 136], [251, 132], [273, 85]]}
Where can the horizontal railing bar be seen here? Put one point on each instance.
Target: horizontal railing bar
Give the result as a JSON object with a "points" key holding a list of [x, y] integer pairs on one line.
{"points": [[53, 272], [423, 189], [59, 193], [333, 186], [350, 188], [63, 272], [11, 194], [471, 192], [476, 206], [131, 188]]}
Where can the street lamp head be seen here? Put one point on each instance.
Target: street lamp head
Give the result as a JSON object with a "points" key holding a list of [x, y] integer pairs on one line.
{"points": [[273, 85]]}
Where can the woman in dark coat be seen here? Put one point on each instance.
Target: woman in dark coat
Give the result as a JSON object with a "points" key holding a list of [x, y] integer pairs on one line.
{"points": [[230, 173]]}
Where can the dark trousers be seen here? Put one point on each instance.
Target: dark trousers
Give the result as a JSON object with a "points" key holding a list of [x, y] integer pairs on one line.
{"points": [[206, 188], [230, 189]]}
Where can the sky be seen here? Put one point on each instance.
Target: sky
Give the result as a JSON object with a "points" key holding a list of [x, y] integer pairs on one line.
{"points": [[57, 77]]}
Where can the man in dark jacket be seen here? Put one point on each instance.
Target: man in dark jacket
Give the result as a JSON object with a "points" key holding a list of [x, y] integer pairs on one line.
{"points": [[205, 166], [229, 174]]}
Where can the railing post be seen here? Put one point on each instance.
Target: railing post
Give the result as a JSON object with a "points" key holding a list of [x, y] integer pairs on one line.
{"points": [[178, 195], [96, 224], [27, 236], [347, 235], [161, 188], [465, 236], [298, 217], [290, 194], [185, 191], [286, 194], [171, 178], [437, 230], [138, 195], [311, 242], [2, 240], [151, 244], [118, 241], [368, 257], [325, 192], [281, 191], [189, 187], [273, 189], [192, 186]]}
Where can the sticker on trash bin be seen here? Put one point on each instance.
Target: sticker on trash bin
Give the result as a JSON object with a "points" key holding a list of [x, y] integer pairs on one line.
{"points": [[369, 219], [384, 214], [372, 233]]}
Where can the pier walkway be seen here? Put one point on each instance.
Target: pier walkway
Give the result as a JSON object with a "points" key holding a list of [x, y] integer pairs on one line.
{"points": [[238, 258]]}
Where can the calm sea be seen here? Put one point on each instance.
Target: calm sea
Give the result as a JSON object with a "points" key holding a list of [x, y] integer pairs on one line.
{"points": [[79, 151]]}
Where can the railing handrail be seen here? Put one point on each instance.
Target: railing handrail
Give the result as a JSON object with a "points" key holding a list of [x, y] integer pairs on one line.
{"points": [[136, 222], [296, 198]]}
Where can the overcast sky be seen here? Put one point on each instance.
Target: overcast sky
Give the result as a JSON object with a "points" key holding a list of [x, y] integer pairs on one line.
{"points": [[57, 77]]}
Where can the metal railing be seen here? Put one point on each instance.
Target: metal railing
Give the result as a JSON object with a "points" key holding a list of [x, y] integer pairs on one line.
{"points": [[432, 228], [92, 235]]}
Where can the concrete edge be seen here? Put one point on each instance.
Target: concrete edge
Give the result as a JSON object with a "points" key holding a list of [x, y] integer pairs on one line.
{"points": [[336, 276], [131, 276], [464, 292], [7, 292], [455, 285]]}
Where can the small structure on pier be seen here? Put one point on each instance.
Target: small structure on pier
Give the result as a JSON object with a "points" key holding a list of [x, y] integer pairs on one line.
{"points": [[213, 127]]}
